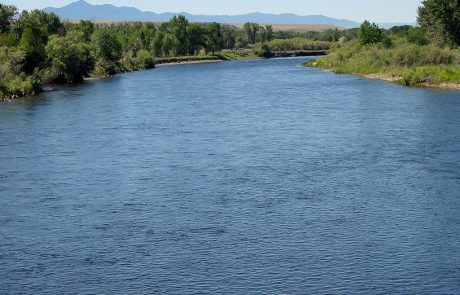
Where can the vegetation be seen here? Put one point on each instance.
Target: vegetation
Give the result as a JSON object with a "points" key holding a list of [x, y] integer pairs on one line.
{"points": [[291, 46], [413, 56], [37, 48], [441, 19]]}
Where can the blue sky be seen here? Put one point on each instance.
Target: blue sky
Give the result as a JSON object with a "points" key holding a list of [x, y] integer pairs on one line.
{"points": [[357, 10]]}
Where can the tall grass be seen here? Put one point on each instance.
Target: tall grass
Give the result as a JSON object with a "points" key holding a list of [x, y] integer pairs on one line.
{"points": [[413, 64]]}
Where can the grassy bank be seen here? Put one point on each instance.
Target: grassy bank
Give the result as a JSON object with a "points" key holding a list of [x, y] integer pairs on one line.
{"points": [[398, 61]]}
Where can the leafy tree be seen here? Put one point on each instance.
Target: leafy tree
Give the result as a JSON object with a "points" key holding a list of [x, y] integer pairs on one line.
{"points": [[169, 45], [7, 13], [441, 18], [215, 41], [370, 33], [196, 35], [179, 26], [70, 57], [108, 47], [228, 37], [157, 44], [34, 28], [269, 33], [87, 28], [251, 30]]}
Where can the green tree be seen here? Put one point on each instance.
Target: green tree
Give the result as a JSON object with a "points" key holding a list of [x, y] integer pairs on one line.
{"points": [[157, 44], [70, 58], [228, 37], [269, 32], [108, 47], [169, 45], [87, 28], [251, 30], [179, 26], [441, 18], [7, 13], [214, 41], [370, 33], [196, 36], [34, 28]]}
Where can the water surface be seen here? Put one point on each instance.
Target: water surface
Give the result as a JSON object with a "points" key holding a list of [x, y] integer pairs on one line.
{"points": [[244, 177]]}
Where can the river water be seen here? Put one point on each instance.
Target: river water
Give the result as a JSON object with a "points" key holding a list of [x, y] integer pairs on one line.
{"points": [[242, 177]]}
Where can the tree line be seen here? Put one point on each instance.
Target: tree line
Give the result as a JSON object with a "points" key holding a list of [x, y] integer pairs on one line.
{"points": [[37, 48]]}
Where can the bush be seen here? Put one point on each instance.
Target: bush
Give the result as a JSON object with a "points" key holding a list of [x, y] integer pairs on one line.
{"points": [[106, 68], [141, 60], [417, 36], [13, 81], [262, 50]]}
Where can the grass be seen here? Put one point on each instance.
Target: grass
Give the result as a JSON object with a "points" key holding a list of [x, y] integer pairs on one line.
{"points": [[408, 64]]}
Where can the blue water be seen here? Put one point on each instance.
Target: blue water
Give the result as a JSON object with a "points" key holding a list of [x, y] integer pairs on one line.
{"points": [[242, 177]]}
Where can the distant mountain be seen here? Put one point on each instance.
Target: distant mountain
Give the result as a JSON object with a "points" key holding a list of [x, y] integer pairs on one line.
{"points": [[84, 10]]}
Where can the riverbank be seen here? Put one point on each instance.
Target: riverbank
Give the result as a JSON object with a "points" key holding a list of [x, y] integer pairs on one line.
{"points": [[189, 62], [427, 84], [403, 63]]}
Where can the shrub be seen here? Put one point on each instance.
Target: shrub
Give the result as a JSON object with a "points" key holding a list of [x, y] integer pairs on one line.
{"points": [[417, 36]]}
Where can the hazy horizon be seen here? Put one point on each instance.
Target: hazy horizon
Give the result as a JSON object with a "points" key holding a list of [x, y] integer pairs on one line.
{"points": [[355, 10]]}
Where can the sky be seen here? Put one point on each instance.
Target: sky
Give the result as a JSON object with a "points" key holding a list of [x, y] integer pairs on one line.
{"points": [[356, 10]]}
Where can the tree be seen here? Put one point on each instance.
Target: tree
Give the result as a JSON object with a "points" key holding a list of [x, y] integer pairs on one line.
{"points": [[196, 38], [87, 28], [169, 45], [70, 57], [32, 43], [269, 32], [370, 33], [228, 37], [157, 44], [441, 18], [214, 40], [34, 28], [7, 13], [108, 47], [179, 26], [251, 30]]}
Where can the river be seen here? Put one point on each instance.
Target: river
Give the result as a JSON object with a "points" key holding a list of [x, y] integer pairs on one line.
{"points": [[241, 177]]}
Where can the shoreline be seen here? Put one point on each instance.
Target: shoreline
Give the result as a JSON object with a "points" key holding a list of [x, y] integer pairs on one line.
{"points": [[187, 62], [395, 79], [390, 78]]}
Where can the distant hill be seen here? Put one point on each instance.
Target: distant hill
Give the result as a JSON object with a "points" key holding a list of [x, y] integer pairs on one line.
{"points": [[84, 10]]}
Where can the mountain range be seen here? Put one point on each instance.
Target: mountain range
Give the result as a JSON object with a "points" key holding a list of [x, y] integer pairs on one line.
{"points": [[83, 10]]}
